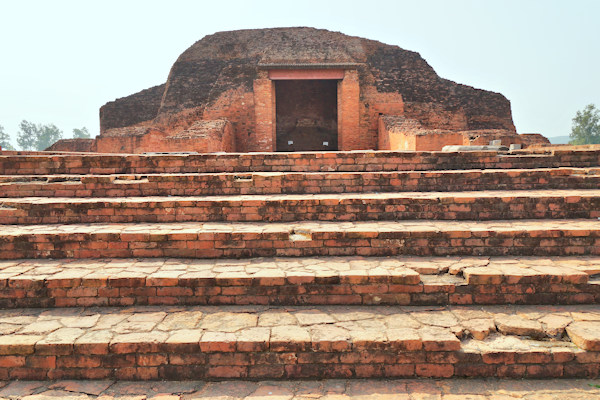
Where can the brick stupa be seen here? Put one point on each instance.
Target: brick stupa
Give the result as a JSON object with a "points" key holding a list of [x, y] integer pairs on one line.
{"points": [[303, 89]]}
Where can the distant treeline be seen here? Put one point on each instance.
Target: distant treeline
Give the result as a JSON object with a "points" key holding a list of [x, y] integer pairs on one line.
{"points": [[586, 126], [37, 136]]}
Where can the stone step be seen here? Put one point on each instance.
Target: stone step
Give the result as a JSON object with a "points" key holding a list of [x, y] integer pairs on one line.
{"points": [[243, 183], [302, 239], [326, 389], [483, 205], [310, 161], [253, 343], [300, 281]]}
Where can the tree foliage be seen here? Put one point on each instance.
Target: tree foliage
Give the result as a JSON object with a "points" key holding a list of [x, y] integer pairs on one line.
{"points": [[586, 126], [82, 133], [37, 136], [5, 140]]}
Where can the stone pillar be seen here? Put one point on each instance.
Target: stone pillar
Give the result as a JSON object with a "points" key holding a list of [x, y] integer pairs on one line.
{"points": [[348, 111], [264, 112]]}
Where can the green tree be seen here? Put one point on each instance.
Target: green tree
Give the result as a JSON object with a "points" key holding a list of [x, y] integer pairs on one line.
{"points": [[586, 126], [37, 136], [82, 133], [5, 140]]}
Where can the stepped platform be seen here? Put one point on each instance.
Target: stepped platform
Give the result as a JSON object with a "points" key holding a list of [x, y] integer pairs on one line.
{"points": [[268, 269], [265, 183], [253, 342], [484, 205], [562, 237], [360, 161], [338, 389], [300, 281]]}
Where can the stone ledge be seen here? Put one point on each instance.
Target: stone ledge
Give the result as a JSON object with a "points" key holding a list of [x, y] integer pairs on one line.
{"points": [[478, 206], [335, 280], [256, 183], [146, 343], [245, 240], [311, 161]]}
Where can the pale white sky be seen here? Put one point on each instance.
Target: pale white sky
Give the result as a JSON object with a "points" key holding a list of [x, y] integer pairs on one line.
{"points": [[61, 60]]}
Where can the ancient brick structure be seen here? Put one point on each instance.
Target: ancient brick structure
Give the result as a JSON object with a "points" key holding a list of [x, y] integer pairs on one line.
{"points": [[291, 89], [78, 144], [287, 266], [251, 268]]}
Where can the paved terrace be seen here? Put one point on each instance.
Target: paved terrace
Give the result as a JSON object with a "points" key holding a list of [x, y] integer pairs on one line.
{"points": [[408, 389]]}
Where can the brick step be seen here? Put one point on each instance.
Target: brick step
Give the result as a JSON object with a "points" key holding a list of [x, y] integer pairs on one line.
{"points": [[150, 343], [311, 161], [320, 389], [132, 185], [302, 239], [483, 205], [300, 281]]}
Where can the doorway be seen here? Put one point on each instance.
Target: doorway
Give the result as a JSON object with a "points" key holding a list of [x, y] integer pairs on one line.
{"points": [[306, 115]]}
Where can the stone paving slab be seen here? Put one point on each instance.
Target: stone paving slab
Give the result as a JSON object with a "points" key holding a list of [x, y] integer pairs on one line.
{"points": [[321, 280], [253, 342], [314, 238], [482, 205], [343, 389], [196, 184]]}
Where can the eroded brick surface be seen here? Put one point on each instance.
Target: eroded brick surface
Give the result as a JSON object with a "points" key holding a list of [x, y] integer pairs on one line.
{"points": [[312, 308], [488, 205], [272, 183], [325, 280], [293, 342], [236, 69], [244, 240], [330, 162], [408, 389]]}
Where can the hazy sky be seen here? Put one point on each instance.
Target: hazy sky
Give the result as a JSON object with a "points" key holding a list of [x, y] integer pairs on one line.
{"points": [[61, 60]]}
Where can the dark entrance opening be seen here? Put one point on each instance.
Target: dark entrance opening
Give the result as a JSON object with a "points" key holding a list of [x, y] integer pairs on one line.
{"points": [[306, 115]]}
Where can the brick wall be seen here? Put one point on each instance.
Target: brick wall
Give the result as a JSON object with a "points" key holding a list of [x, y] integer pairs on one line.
{"points": [[349, 134], [131, 110], [264, 112], [396, 132], [402, 134], [435, 141], [374, 104], [78, 144], [202, 137], [237, 107]]}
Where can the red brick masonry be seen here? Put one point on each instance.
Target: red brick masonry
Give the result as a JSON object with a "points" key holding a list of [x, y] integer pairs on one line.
{"points": [[293, 266], [360, 161], [334, 342], [293, 281]]}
